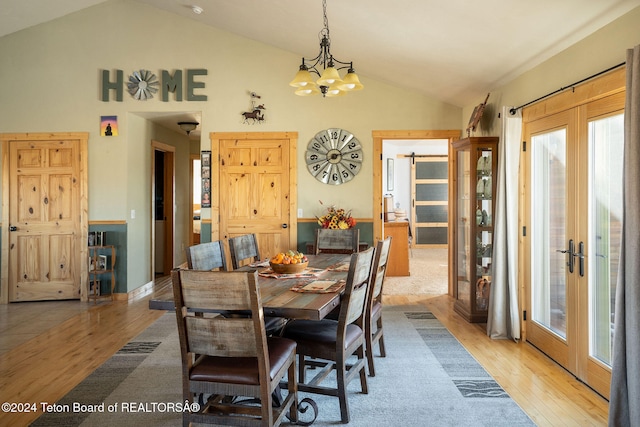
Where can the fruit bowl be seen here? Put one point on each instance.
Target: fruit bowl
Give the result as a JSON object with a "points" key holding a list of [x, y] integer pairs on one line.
{"points": [[289, 268]]}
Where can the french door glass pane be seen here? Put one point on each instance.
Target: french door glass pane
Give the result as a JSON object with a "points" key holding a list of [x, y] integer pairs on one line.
{"points": [[431, 192], [432, 170], [431, 235], [432, 213], [548, 230], [606, 143]]}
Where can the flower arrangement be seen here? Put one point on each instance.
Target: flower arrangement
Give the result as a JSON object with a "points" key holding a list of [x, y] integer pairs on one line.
{"points": [[336, 218]]}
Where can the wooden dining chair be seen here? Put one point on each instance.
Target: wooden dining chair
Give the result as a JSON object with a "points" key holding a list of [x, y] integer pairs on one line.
{"points": [[226, 358], [207, 256], [373, 317], [333, 241], [243, 250], [327, 344]]}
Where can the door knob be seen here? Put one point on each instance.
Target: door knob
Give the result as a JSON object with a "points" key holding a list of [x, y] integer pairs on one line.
{"points": [[285, 225]]}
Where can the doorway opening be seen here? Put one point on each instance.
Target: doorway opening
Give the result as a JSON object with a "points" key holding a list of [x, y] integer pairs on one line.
{"points": [[399, 145], [163, 222]]}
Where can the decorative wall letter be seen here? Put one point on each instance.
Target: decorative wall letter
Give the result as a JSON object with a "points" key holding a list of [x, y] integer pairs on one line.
{"points": [[107, 84], [171, 84], [191, 85]]}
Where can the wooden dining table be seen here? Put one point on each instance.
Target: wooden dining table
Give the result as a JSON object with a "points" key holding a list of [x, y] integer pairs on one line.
{"points": [[278, 300]]}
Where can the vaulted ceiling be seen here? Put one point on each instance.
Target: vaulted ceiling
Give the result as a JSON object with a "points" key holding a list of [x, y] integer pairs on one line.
{"points": [[454, 50]]}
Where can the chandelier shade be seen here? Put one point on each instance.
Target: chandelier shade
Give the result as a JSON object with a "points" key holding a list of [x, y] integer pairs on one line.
{"points": [[329, 76], [303, 78], [307, 90], [326, 67], [351, 82]]}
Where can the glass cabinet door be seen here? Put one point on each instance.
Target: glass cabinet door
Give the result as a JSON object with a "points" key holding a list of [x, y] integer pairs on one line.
{"points": [[475, 166], [484, 226], [463, 225]]}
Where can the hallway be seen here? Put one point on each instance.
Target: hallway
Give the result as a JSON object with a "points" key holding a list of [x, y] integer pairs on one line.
{"points": [[429, 270]]}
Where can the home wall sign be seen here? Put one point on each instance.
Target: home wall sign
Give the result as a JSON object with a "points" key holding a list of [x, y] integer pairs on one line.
{"points": [[142, 84]]}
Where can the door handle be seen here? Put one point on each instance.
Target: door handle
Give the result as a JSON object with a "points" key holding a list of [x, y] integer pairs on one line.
{"points": [[573, 255], [285, 225], [13, 228], [580, 255], [570, 253]]}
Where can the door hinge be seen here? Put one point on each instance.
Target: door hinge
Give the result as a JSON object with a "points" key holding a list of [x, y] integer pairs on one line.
{"points": [[524, 231], [524, 145], [524, 315]]}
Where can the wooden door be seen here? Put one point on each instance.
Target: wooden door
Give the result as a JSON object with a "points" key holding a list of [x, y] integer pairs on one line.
{"points": [[574, 175], [257, 188], [47, 233], [430, 201]]}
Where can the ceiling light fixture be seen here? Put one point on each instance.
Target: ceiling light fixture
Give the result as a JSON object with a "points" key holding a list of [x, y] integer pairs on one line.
{"points": [[188, 126], [197, 9], [330, 83]]}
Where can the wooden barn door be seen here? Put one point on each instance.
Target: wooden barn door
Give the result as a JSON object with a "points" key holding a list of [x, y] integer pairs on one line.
{"points": [[256, 188], [47, 223]]}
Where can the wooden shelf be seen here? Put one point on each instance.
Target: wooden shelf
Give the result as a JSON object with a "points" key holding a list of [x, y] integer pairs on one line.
{"points": [[96, 273]]}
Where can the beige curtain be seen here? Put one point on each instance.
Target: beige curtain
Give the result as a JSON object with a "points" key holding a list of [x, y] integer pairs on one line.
{"points": [[624, 406], [503, 320]]}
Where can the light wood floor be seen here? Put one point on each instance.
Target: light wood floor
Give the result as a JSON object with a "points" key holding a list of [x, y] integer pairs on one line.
{"points": [[46, 350]]}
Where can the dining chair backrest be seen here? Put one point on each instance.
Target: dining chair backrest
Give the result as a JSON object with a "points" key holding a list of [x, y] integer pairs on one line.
{"points": [[374, 332], [207, 291], [354, 300], [207, 256], [329, 240], [243, 250], [379, 269]]}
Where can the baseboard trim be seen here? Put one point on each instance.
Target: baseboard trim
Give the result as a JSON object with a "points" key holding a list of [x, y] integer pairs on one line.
{"points": [[134, 294]]}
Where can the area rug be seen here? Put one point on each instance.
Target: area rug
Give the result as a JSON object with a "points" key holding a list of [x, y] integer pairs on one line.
{"points": [[427, 379]]}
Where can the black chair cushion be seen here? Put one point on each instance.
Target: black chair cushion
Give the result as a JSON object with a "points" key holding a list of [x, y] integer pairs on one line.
{"points": [[310, 334], [242, 370]]}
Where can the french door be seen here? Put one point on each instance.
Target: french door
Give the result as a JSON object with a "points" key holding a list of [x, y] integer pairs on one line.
{"points": [[573, 162]]}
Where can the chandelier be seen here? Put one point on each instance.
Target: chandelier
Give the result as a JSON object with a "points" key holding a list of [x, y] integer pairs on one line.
{"points": [[324, 66]]}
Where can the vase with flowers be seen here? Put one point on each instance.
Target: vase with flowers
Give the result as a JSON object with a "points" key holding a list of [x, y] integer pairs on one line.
{"points": [[336, 218]]}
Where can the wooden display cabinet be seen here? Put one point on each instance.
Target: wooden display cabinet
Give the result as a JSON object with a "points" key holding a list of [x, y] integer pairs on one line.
{"points": [[475, 163]]}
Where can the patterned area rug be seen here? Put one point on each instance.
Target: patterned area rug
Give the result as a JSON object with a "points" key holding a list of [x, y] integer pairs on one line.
{"points": [[427, 379]]}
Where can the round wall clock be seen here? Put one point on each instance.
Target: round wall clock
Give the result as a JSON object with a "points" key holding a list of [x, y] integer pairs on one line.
{"points": [[334, 156], [142, 84]]}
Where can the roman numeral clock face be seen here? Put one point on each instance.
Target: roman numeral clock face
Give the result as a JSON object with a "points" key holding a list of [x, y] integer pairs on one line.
{"points": [[334, 156]]}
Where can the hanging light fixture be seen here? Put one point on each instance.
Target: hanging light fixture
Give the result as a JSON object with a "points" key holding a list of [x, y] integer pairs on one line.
{"points": [[329, 83], [188, 126]]}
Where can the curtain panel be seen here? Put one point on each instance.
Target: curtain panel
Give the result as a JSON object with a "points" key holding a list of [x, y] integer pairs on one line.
{"points": [[503, 321], [624, 409]]}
